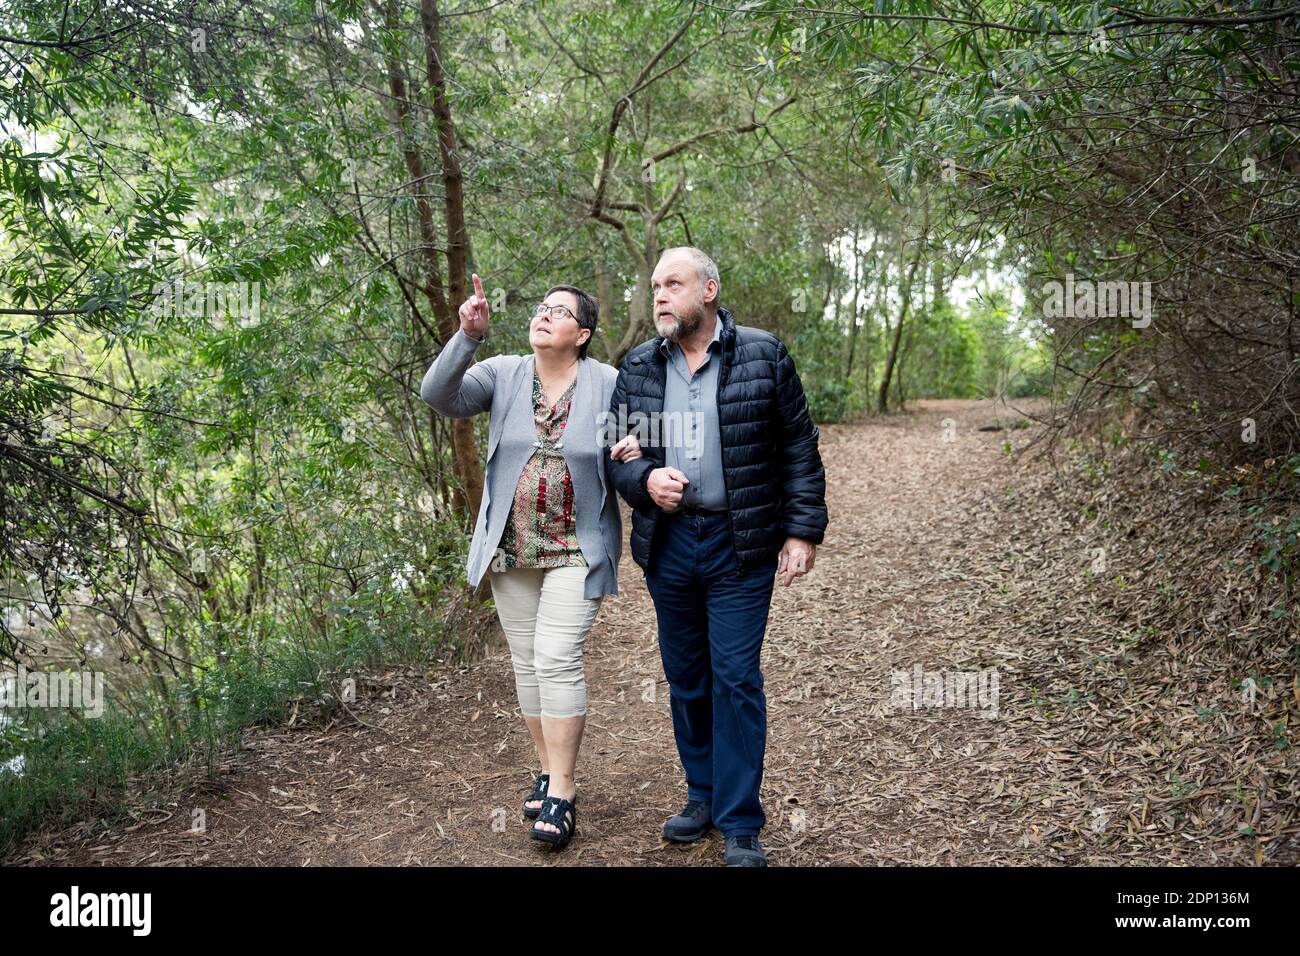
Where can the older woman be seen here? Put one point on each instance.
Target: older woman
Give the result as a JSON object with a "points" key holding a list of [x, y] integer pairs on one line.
{"points": [[548, 533]]}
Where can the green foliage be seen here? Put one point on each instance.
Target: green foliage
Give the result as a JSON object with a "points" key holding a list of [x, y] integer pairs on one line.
{"points": [[1275, 522], [944, 351], [244, 508]]}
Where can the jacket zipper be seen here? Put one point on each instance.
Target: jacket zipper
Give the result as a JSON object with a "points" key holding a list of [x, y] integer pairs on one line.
{"points": [[717, 401], [722, 375]]}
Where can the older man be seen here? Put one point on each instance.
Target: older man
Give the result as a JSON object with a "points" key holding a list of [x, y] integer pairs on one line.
{"points": [[733, 497]]}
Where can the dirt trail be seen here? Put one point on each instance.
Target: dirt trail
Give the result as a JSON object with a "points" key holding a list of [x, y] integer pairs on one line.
{"points": [[940, 554]]}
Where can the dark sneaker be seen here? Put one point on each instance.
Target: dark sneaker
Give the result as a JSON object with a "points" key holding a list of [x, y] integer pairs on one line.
{"points": [[691, 824], [745, 851]]}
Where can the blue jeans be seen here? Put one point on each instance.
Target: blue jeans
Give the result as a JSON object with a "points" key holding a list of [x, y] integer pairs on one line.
{"points": [[712, 616]]}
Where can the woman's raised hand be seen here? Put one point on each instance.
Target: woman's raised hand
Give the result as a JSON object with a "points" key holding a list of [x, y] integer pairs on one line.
{"points": [[474, 312]]}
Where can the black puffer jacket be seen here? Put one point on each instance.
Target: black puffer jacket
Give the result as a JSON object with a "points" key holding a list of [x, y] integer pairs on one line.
{"points": [[776, 486]]}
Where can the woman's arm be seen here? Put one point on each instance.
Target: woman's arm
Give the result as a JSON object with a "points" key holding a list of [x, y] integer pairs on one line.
{"points": [[452, 387], [447, 386], [629, 477]]}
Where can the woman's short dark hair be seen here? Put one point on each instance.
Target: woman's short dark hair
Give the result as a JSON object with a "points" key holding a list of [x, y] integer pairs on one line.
{"points": [[588, 313]]}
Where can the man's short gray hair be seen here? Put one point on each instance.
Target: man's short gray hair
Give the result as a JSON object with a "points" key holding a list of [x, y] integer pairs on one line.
{"points": [[706, 267]]}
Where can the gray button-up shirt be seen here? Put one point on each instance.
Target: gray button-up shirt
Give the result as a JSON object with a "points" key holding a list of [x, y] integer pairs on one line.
{"points": [[689, 429]]}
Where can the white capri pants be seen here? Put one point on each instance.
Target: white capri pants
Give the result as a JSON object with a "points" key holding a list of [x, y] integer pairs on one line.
{"points": [[546, 620]]}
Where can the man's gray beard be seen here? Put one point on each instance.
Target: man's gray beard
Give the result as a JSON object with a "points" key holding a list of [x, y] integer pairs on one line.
{"points": [[685, 325]]}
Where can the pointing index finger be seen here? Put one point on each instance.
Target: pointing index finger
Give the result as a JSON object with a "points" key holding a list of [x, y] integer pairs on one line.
{"points": [[478, 287]]}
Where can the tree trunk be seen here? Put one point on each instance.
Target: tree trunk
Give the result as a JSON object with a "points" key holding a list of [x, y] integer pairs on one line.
{"points": [[646, 257], [905, 298], [604, 295], [638, 312], [853, 309], [464, 450]]}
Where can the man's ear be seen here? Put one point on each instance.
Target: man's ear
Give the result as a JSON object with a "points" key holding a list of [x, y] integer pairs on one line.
{"points": [[714, 297]]}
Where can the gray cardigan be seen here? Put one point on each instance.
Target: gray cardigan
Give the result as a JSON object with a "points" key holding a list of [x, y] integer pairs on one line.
{"points": [[502, 385]]}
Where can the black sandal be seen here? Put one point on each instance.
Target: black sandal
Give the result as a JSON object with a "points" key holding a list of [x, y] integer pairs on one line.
{"points": [[540, 786], [559, 813]]}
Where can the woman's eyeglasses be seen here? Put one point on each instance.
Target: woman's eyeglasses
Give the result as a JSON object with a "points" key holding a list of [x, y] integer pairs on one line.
{"points": [[556, 311]]}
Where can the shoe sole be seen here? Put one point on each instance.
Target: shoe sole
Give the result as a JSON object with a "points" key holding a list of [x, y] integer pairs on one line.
{"points": [[552, 839]]}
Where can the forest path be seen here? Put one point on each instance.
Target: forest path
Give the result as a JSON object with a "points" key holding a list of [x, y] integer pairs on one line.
{"points": [[943, 555]]}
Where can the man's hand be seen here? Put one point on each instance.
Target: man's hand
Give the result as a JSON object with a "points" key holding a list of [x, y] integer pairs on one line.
{"points": [[666, 486], [474, 312], [629, 449], [796, 559]]}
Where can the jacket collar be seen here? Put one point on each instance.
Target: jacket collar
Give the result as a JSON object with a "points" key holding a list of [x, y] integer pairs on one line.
{"points": [[725, 334]]}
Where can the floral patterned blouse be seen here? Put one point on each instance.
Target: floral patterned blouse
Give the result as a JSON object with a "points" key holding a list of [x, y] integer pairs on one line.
{"points": [[541, 531]]}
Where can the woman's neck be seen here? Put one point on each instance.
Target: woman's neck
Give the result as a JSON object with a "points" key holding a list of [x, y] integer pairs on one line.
{"points": [[552, 367]]}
